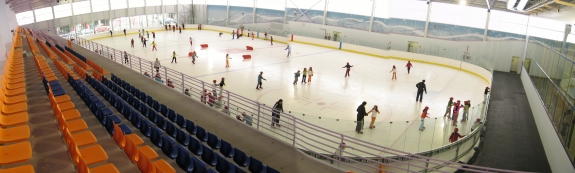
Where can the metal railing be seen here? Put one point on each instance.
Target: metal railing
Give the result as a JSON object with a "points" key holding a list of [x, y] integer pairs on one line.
{"points": [[307, 136]]}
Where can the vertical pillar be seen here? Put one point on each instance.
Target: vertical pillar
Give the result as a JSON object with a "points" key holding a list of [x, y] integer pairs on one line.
{"points": [[110, 16], [228, 13], [372, 12], [91, 18], [177, 18], [324, 12], [34, 15], [162, 13], [145, 14], [254, 13], [427, 19], [285, 13], [486, 25], [5, 34], [128, 15], [53, 18]]}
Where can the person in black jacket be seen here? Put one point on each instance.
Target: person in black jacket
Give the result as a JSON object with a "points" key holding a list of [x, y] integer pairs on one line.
{"points": [[420, 89], [360, 114], [276, 112]]}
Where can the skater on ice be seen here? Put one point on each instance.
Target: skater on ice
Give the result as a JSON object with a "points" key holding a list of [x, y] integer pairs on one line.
{"points": [[455, 135], [276, 113], [347, 70], [304, 75], [296, 76], [288, 48], [393, 71], [374, 112], [423, 116], [309, 74], [260, 77], [448, 110], [174, 55], [360, 116], [409, 65], [420, 89], [157, 65], [228, 60]]}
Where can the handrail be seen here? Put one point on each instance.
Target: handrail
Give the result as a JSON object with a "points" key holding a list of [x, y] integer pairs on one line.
{"points": [[295, 128]]}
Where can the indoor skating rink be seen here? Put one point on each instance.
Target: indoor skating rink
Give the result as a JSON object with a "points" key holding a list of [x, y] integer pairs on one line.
{"points": [[331, 99]]}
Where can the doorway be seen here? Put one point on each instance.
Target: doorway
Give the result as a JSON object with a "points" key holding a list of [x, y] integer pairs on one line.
{"points": [[412, 46], [336, 36], [527, 64], [515, 63]]}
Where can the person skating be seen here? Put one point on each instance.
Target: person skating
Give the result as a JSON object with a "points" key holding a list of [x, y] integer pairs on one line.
{"points": [[214, 87], [157, 65], [132, 42], [238, 34], [455, 135], [304, 75], [276, 113], [174, 28], [409, 65], [393, 71], [154, 46], [456, 107], [253, 36], [124, 31], [448, 109], [374, 112], [272, 40], [296, 76], [147, 34], [466, 105], [174, 55], [360, 116], [260, 77], [111, 34], [347, 70], [183, 26], [170, 83], [144, 40], [153, 34], [420, 89], [228, 60], [423, 116], [166, 26], [222, 84], [309, 74], [191, 41], [126, 57], [485, 93], [139, 34], [265, 36], [288, 48], [220, 34], [194, 56], [180, 28], [233, 34]]}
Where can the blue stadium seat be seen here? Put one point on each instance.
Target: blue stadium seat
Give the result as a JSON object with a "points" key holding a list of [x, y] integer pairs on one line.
{"points": [[181, 121], [163, 109], [171, 115], [227, 149], [224, 166], [136, 120], [171, 129], [125, 128], [199, 166], [185, 161], [152, 115], [144, 97], [145, 127], [241, 158], [169, 148], [256, 166], [201, 134], [156, 136], [155, 105], [183, 137], [213, 141], [196, 146], [161, 123], [115, 119], [191, 127], [144, 110], [209, 157]]}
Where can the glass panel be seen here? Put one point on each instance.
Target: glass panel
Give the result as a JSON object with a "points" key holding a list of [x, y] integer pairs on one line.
{"points": [[63, 10], [81, 7]]}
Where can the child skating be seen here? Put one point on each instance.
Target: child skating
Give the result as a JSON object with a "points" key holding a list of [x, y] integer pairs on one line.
{"points": [[233, 34], [296, 76], [288, 48], [228, 60], [347, 70], [374, 112], [393, 71], [194, 56], [126, 57], [132, 42], [272, 40], [455, 135], [265, 36], [456, 107], [409, 65], [214, 87], [191, 41], [157, 66], [448, 109], [260, 77], [466, 105], [309, 74], [174, 55], [154, 46], [304, 75], [423, 116], [222, 84]]}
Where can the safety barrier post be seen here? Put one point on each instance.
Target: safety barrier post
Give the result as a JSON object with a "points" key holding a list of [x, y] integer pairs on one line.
{"points": [[259, 110], [183, 86], [294, 129], [229, 109], [130, 61]]}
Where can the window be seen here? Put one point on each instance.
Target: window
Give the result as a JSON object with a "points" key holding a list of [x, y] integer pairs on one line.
{"points": [[508, 22], [25, 18], [458, 15], [172, 2], [115, 4], [216, 2], [136, 3], [271, 4], [153, 2], [307, 4], [359, 7], [546, 28], [242, 3], [81, 7], [100, 5], [406, 9], [43, 14], [63, 10]]}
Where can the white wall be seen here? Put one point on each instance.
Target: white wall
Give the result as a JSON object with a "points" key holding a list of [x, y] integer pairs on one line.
{"points": [[500, 51], [554, 150]]}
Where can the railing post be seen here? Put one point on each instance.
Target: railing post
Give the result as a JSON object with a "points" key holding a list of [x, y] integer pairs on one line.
{"points": [[166, 73], [140, 64], [183, 86], [229, 109], [130, 61], [108, 50], [152, 66], [456, 152], [340, 151], [259, 110], [294, 130]]}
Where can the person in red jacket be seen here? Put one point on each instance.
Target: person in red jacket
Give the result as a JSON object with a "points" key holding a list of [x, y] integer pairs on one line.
{"points": [[409, 65], [423, 116], [456, 107], [455, 135]]}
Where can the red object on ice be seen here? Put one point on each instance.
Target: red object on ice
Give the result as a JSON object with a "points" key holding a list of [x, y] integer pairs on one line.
{"points": [[191, 53], [249, 48], [204, 45], [247, 56]]}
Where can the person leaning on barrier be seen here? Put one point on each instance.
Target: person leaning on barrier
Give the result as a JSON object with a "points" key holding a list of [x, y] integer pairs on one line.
{"points": [[187, 92]]}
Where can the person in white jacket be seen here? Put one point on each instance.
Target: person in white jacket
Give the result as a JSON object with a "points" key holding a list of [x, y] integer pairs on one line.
{"points": [[309, 74], [157, 65]]}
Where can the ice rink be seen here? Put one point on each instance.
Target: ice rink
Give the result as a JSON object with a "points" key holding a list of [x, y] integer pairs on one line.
{"points": [[331, 99]]}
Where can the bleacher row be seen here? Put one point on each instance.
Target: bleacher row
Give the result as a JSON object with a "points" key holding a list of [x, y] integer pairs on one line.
{"points": [[15, 132], [193, 149]]}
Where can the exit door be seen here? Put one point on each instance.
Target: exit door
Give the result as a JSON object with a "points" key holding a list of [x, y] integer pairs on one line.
{"points": [[527, 64], [336, 36], [515, 63], [412, 46]]}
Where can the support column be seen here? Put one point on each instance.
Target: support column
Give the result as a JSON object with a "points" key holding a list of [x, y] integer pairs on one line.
{"points": [[145, 14], [427, 19], [110, 15], [285, 12], [92, 18], [162, 12], [53, 18], [228, 13], [372, 13], [487, 26], [34, 15], [324, 12], [5, 34], [254, 13], [128, 15], [72, 18]]}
